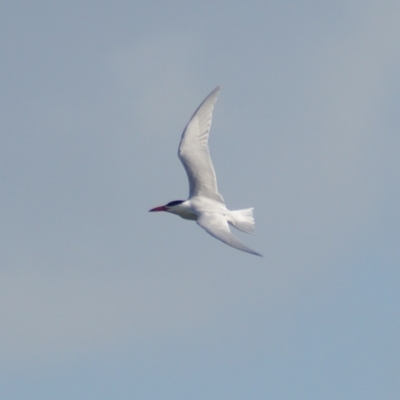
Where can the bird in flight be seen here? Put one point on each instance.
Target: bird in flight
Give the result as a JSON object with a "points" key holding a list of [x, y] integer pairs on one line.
{"points": [[205, 205]]}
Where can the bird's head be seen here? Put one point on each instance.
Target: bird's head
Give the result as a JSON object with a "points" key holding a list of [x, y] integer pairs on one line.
{"points": [[170, 207]]}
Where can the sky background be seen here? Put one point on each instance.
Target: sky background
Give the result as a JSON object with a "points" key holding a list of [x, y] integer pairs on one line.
{"points": [[100, 299]]}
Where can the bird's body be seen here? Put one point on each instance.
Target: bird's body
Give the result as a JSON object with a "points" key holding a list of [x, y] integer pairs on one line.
{"points": [[205, 205]]}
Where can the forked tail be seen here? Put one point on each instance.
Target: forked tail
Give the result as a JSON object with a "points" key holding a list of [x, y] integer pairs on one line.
{"points": [[243, 220]]}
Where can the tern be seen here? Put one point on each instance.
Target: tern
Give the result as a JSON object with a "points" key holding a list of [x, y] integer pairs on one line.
{"points": [[205, 205]]}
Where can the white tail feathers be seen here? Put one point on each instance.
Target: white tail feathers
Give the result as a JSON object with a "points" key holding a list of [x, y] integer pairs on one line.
{"points": [[243, 220]]}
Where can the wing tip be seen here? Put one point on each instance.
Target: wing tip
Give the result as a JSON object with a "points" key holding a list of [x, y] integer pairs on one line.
{"points": [[216, 90], [256, 253]]}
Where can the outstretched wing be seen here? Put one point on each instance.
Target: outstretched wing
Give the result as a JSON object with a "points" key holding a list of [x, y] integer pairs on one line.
{"points": [[216, 225], [194, 153]]}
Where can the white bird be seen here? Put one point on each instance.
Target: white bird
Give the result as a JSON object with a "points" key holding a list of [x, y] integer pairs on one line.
{"points": [[205, 205]]}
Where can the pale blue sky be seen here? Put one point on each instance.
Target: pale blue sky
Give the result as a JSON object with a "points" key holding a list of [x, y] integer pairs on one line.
{"points": [[100, 299]]}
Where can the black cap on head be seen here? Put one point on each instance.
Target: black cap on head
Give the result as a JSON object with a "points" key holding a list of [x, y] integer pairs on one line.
{"points": [[174, 203]]}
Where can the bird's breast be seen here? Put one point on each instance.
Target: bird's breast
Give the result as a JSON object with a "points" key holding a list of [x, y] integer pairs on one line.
{"points": [[188, 215]]}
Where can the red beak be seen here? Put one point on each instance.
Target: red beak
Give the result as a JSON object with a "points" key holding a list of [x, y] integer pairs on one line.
{"points": [[161, 208]]}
